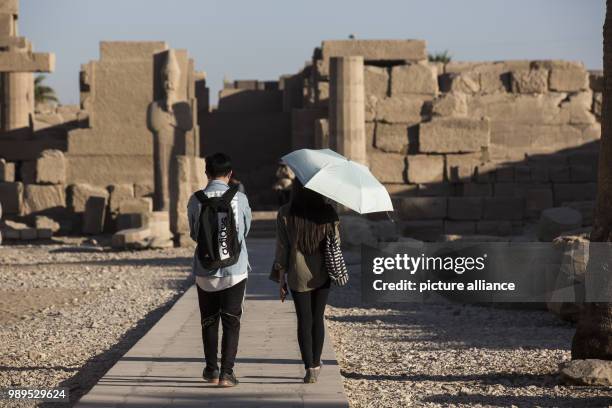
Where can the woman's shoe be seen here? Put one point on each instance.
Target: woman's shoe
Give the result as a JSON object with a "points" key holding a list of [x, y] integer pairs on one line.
{"points": [[317, 371], [311, 376]]}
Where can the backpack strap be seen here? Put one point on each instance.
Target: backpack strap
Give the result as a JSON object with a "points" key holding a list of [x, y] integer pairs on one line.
{"points": [[229, 194], [201, 196]]}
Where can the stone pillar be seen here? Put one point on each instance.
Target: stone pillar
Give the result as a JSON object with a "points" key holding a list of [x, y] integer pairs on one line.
{"points": [[18, 100], [347, 108]]}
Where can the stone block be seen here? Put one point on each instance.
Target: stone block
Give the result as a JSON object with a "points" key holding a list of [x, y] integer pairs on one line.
{"points": [[567, 192], [78, 194], [569, 79], [476, 189], [586, 372], [45, 223], [27, 62], [39, 198], [596, 81], [388, 167], [27, 172], [499, 227], [119, 193], [7, 171], [11, 229], [459, 227], [539, 173], [43, 233], [537, 109], [462, 167], [376, 81], [530, 81], [559, 173], [143, 190], [597, 104], [454, 135], [372, 51], [465, 208], [136, 205], [136, 238], [399, 109], [503, 208], [51, 167], [554, 221], [425, 230], [522, 173], [28, 234], [538, 199], [579, 107], [421, 79], [583, 172], [420, 208], [436, 189], [465, 83], [103, 170], [391, 138], [504, 174], [424, 168], [585, 208], [11, 198], [93, 217], [451, 104]]}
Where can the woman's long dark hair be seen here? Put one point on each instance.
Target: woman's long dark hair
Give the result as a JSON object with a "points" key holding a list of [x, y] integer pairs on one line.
{"points": [[310, 218]]}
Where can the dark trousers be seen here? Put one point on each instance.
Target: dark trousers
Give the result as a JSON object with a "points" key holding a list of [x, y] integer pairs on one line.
{"points": [[310, 309], [226, 305]]}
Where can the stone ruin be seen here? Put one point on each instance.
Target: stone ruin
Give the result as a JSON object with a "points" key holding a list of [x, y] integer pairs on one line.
{"points": [[463, 147], [90, 168]]}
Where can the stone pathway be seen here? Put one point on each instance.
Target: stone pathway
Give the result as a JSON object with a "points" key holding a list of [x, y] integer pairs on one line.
{"points": [[164, 368]]}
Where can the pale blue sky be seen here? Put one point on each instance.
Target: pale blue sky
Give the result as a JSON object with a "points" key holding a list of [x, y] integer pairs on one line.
{"points": [[264, 39]]}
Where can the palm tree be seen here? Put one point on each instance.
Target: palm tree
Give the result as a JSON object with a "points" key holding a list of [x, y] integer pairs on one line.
{"points": [[43, 93], [593, 338], [443, 57]]}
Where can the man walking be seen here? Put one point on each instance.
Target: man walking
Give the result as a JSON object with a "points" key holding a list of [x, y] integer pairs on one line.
{"points": [[219, 221]]}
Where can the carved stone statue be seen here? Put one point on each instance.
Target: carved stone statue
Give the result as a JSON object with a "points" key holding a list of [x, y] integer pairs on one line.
{"points": [[168, 120]]}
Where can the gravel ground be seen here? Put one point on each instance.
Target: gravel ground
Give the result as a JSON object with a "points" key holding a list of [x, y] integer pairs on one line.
{"points": [[68, 311], [452, 355]]}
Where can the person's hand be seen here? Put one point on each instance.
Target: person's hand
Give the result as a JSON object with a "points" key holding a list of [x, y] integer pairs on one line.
{"points": [[282, 288]]}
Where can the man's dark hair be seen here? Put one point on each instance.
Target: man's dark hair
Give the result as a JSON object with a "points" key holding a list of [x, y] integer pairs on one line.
{"points": [[218, 165]]}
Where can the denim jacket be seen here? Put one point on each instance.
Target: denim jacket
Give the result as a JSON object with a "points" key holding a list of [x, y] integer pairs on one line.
{"points": [[242, 213]]}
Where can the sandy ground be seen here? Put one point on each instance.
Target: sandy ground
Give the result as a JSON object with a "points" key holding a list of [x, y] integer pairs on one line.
{"points": [[451, 355], [68, 311]]}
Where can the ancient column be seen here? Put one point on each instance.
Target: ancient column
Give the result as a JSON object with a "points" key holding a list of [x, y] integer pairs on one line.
{"points": [[17, 62], [347, 108]]}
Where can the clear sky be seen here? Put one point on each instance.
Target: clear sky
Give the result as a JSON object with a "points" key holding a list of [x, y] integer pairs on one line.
{"points": [[266, 38]]}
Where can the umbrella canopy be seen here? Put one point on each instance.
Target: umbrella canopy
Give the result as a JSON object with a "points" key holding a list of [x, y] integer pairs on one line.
{"points": [[342, 180]]}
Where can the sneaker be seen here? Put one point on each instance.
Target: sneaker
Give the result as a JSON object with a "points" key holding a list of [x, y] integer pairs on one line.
{"points": [[311, 376], [228, 379], [211, 375]]}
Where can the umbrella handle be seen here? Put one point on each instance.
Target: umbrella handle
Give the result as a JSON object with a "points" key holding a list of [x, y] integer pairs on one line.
{"points": [[389, 217]]}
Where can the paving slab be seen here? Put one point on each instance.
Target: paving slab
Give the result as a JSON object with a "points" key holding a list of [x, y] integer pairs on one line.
{"points": [[164, 368]]}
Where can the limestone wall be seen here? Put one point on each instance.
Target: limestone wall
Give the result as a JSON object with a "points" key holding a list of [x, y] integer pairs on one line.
{"points": [[469, 147]]}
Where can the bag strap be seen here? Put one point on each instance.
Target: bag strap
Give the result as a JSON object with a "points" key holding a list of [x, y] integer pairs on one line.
{"points": [[201, 196], [229, 194]]}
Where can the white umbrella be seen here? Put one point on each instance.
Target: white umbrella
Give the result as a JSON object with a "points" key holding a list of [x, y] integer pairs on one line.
{"points": [[344, 181]]}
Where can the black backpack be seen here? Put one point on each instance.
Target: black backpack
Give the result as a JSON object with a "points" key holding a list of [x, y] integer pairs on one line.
{"points": [[218, 243]]}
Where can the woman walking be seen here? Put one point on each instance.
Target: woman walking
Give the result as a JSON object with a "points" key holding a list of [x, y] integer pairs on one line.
{"points": [[302, 227]]}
